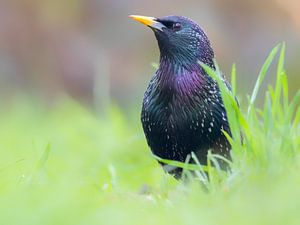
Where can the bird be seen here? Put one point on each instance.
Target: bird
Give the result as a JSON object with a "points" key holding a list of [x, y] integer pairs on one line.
{"points": [[183, 110]]}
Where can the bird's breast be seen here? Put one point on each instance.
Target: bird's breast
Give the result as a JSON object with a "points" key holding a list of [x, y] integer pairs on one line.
{"points": [[180, 116], [172, 122]]}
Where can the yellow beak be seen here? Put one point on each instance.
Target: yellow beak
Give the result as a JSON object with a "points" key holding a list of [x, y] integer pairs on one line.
{"points": [[148, 21]]}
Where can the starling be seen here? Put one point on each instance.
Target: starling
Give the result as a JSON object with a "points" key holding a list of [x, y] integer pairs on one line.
{"points": [[182, 110]]}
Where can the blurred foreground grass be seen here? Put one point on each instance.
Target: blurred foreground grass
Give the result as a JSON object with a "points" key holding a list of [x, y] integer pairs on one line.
{"points": [[65, 165]]}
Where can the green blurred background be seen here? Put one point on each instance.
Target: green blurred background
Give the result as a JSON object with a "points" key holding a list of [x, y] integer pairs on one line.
{"points": [[92, 51], [61, 163]]}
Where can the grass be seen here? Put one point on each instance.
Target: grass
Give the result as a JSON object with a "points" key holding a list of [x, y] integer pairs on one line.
{"points": [[66, 165]]}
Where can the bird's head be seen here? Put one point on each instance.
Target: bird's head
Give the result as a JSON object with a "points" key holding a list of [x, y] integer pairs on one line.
{"points": [[180, 40]]}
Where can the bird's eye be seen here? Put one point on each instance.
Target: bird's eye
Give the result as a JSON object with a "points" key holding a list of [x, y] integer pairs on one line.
{"points": [[176, 26]]}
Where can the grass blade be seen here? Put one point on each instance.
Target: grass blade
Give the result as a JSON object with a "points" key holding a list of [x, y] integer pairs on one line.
{"points": [[262, 75], [280, 72], [42, 161]]}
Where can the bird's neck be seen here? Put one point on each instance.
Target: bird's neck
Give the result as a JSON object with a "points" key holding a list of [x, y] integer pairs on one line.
{"points": [[176, 61], [174, 77], [174, 65]]}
